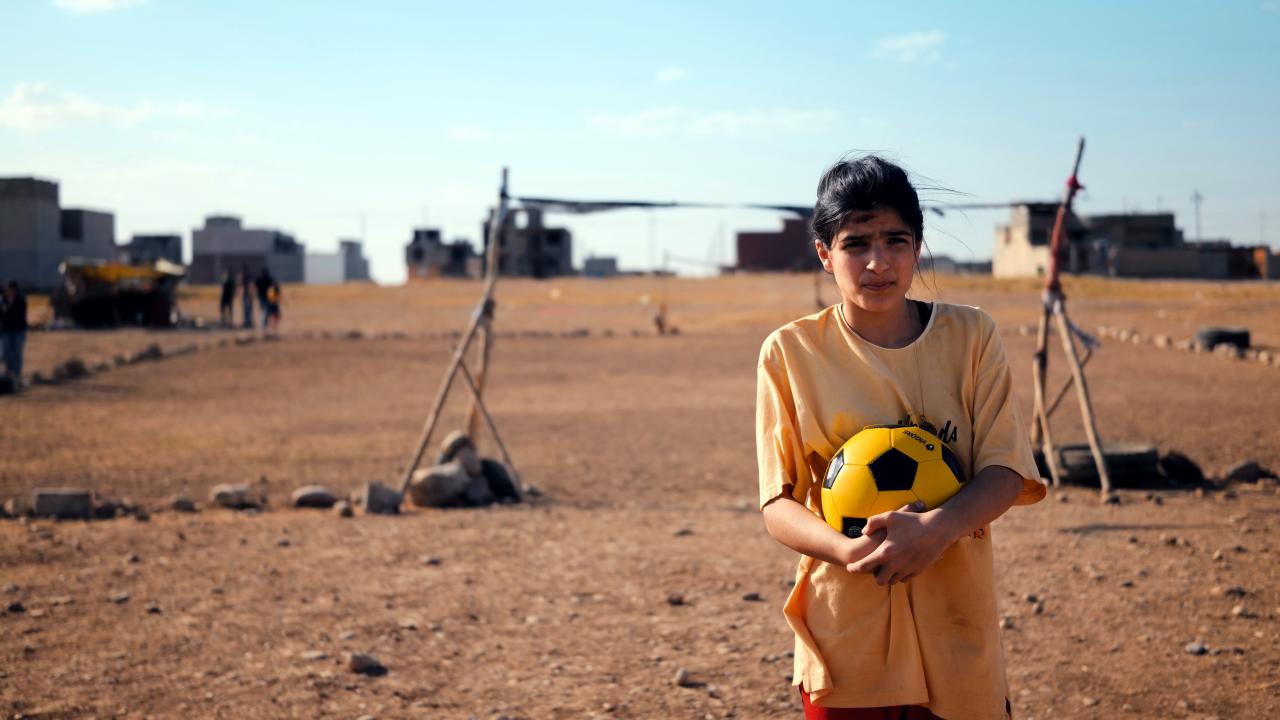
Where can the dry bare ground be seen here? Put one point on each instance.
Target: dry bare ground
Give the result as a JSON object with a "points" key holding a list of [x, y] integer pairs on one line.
{"points": [[645, 553]]}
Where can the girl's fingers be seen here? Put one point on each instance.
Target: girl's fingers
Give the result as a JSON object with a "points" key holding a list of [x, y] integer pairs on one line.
{"points": [[870, 563]]}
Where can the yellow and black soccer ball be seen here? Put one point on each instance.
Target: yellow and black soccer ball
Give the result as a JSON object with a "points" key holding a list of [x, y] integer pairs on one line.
{"points": [[884, 467]]}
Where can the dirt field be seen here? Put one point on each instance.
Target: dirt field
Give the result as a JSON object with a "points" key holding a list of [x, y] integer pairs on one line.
{"points": [[642, 447]]}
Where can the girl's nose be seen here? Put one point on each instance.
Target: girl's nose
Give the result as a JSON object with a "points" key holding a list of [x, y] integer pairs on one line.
{"points": [[876, 259]]}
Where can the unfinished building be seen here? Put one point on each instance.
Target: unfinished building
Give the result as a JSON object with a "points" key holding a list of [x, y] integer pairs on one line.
{"points": [[529, 248], [427, 256], [1138, 245], [790, 248], [348, 264], [225, 244], [37, 234]]}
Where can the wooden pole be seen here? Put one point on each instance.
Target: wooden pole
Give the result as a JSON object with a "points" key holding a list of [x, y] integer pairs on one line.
{"points": [[483, 310], [488, 420], [486, 345], [1040, 433], [1066, 384], [1052, 285], [1052, 302], [497, 229], [441, 395], [1082, 394]]}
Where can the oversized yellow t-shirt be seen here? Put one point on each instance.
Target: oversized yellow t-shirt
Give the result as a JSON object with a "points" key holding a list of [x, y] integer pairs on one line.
{"points": [[934, 640]]}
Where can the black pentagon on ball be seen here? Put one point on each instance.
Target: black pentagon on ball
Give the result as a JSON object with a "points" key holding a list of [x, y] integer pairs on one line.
{"points": [[833, 470], [893, 470], [953, 462], [852, 527]]}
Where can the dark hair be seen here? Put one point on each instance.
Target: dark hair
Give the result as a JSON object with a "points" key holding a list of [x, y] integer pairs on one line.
{"points": [[866, 183]]}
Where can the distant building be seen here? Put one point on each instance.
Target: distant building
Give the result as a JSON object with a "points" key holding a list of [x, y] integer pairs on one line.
{"points": [[947, 264], [36, 234], [600, 267], [348, 264], [1022, 247], [788, 249], [146, 249], [355, 266], [224, 244], [1136, 245], [428, 256], [529, 248]]}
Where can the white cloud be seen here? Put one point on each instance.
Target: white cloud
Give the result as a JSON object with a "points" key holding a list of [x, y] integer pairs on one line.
{"points": [[36, 106], [670, 75], [911, 47], [1271, 7], [681, 121], [88, 7], [465, 133]]}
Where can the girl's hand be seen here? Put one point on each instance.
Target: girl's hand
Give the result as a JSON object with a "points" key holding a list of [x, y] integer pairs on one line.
{"points": [[912, 542]]}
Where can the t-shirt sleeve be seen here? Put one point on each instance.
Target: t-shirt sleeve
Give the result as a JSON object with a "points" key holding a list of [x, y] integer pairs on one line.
{"points": [[1000, 437], [779, 451]]}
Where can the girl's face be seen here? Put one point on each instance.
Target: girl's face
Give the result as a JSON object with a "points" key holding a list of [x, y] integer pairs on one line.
{"points": [[873, 258]]}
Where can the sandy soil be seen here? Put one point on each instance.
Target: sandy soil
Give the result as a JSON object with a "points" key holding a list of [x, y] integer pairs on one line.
{"points": [[643, 449]]}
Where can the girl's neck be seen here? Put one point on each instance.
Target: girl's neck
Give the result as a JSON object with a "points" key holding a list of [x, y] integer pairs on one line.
{"points": [[896, 328]]}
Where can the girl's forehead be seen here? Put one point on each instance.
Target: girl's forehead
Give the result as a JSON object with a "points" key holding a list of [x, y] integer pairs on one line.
{"points": [[879, 218]]}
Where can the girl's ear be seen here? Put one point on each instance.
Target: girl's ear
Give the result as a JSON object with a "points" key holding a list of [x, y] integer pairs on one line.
{"points": [[824, 255]]}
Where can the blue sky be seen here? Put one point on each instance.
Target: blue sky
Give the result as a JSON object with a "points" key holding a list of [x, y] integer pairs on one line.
{"points": [[328, 118]]}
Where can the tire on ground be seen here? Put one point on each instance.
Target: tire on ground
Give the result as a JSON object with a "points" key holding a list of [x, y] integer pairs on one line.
{"points": [[1129, 465], [1212, 336]]}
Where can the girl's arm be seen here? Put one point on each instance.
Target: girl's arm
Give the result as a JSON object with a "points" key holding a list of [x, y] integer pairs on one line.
{"points": [[914, 541], [795, 526]]}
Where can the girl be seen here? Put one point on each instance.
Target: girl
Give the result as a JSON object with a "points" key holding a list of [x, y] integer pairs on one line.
{"points": [[901, 622]]}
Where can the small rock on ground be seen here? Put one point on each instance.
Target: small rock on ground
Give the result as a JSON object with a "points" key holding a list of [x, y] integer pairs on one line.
{"points": [[233, 496], [365, 664], [314, 496]]}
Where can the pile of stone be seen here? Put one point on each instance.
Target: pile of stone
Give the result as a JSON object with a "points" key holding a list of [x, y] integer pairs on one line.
{"points": [[1204, 343], [461, 478]]}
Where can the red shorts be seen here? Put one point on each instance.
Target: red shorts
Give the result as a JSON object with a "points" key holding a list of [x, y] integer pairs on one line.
{"points": [[897, 712]]}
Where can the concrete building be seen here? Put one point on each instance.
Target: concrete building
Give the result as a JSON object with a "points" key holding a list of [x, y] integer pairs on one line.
{"points": [[790, 248], [1022, 247], [530, 248], [146, 249], [427, 256], [600, 267], [1138, 245], [355, 266], [947, 264], [348, 264], [36, 234], [225, 244]]}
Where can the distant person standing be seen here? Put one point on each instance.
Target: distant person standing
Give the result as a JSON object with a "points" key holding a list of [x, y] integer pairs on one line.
{"points": [[228, 295], [272, 311], [246, 297], [13, 328], [264, 282]]}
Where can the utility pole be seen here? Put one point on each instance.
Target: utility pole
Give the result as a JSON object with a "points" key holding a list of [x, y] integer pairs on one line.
{"points": [[653, 259], [1196, 199]]}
